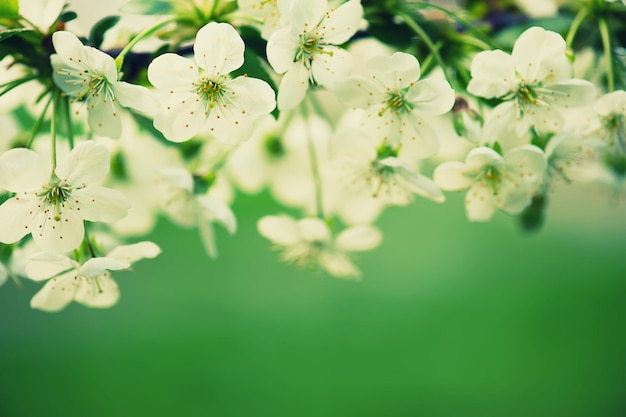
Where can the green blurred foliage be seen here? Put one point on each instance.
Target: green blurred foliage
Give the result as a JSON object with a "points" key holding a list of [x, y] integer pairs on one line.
{"points": [[451, 319]]}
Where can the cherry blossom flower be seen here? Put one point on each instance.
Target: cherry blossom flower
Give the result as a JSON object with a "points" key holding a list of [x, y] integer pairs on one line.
{"points": [[41, 13], [202, 96], [398, 103], [306, 50], [89, 283], [90, 76], [266, 11], [309, 242], [52, 207], [535, 83], [494, 182]]}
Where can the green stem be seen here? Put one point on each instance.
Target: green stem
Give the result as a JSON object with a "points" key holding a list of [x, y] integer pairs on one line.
{"points": [[317, 180], [68, 121], [608, 54], [147, 32], [53, 130], [484, 40], [578, 20], [419, 31], [39, 122]]}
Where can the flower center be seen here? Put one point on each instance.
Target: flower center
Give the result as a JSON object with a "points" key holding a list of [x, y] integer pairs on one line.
{"points": [[210, 91], [56, 195], [396, 102]]}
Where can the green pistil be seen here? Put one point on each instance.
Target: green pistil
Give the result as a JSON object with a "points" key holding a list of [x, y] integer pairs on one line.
{"points": [[526, 95], [493, 176], [386, 151], [397, 103], [210, 91], [56, 195]]}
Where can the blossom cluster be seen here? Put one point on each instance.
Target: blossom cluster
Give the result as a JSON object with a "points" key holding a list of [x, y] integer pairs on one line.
{"points": [[334, 114]]}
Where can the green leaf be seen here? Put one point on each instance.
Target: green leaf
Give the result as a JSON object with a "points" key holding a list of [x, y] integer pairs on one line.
{"points": [[148, 7], [6, 34], [96, 36], [68, 16], [9, 9]]}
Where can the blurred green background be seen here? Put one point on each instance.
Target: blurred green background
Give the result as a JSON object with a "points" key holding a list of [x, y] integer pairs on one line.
{"points": [[451, 319]]}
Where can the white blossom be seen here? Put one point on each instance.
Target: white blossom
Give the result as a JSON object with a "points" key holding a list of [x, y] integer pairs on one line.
{"points": [[309, 242], [90, 76], [535, 84], [398, 103], [202, 96], [494, 182], [306, 50], [89, 283], [52, 205], [266, 11]]}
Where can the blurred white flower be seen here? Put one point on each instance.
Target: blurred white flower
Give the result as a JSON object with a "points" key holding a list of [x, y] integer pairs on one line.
{"points": [[189, 207], [309, 242], [494, 182], [267, 12], [41, 13], [90, 75], [202, 96], [89, 283], [306, 49], [53, 205], [398, 103]]}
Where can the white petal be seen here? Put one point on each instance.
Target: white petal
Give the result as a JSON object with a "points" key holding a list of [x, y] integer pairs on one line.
{"points": [[539, 55], [218, 48], [103, 115], [101, 294], [570, 93], [514, 198], [397, 71], [229, 125], [479, 203], [331, 66], [293, 86], [414, 182], [100, 204], [480, 157], [171, 72], [207, 235], [87, 163], [417, 134], [95, 267], [528, 160], [56, 294], [23, 170], [432, 96], [60, 236], [135, 97], [45, 265], [358, 92], [358, 238], [312, 229], [135, 252], [180, 118], [342, 23], [611, 103], [338, 264], [252, 95], [16, 219], [67, 46], [282, 230], [452, 176], [305, 15], [216, 210], [281, 49], [493, 74]]}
